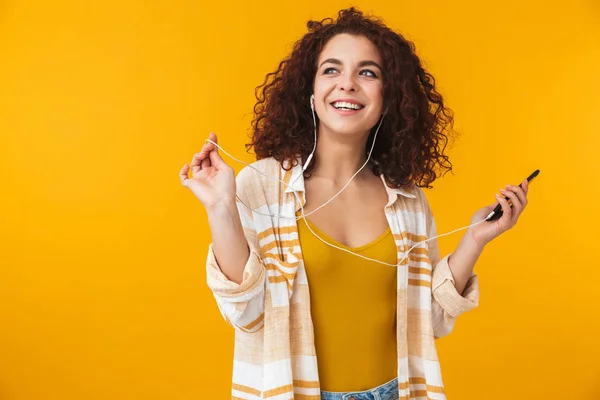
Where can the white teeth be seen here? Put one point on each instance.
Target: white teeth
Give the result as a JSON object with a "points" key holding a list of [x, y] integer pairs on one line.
{"points": [[343, 104]]}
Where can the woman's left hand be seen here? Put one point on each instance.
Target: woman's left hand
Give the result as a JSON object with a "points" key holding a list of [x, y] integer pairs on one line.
{"points": [[483, 233]]}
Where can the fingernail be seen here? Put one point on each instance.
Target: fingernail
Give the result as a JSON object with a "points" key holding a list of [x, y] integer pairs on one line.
{"points": [[498, 196]]}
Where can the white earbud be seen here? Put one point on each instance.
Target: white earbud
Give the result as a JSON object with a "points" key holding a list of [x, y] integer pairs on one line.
{"points": [[312, 108]]}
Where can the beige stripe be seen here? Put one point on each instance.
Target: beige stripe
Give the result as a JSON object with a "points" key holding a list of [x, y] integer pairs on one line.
{"points": [[421, 258], [413, 255], [418, 250], [246, 389], [419, 282], [277, 279], [255, 322], [306, 384], [249, 331], [423, 381], [435, 389], [417, 270], [248, 347], [420, 340], [287, 176], [301, 326], [278, 391], [284, 263], [243, 328], [273, 267], [276, 231], [280, 279], [281, 244], [410, 236]]}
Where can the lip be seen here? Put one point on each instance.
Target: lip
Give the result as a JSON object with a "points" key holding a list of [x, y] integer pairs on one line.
{"points": [[351, 101], [347, 112]]}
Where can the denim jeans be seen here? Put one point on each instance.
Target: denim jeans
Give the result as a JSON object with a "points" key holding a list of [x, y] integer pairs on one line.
{"points": [[387, 391]]}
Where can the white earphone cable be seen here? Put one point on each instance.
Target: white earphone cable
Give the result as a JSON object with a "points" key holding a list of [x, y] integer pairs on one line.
{"points": [[303, 216]]}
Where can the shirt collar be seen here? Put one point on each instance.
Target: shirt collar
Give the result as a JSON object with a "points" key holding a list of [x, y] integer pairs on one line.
{"points": [[294, 179]]}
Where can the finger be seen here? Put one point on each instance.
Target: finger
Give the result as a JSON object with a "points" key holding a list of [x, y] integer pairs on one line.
{"points": [[216, 159], [183, 175], [525, 186], [212, 136], [520, 194], [208, 145], [517, 207], [208, 149], [506, 209], [197, 162], [516, 203]]}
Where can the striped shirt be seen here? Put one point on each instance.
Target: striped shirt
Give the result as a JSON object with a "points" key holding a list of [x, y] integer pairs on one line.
{"points": [[274, 353]]}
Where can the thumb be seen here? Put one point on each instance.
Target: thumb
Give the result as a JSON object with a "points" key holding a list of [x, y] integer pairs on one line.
{"points": [[215, 157], [216, 160], [492, 206]]}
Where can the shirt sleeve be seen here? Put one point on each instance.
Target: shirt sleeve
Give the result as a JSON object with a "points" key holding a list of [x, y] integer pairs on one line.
{"points": [[447, 303], [242, 305]]}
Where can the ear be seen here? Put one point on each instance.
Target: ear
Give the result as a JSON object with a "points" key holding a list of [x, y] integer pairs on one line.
{"points": [[312, 102]]}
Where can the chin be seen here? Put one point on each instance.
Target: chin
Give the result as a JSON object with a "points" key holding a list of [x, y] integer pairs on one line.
{"points": [[351, 129]]}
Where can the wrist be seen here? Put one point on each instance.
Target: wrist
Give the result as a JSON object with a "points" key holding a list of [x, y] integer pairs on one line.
{"points": [[473, 242], [222, 208]]}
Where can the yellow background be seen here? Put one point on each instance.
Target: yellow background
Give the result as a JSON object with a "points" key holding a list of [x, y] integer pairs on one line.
{"points": [[102, 251]]}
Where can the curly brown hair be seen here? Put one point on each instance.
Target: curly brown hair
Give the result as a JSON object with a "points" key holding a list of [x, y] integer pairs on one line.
{"points": [[415, 126]]}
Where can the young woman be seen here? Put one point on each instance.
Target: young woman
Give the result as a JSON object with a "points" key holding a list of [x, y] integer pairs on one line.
{"points": [[330, 286]]}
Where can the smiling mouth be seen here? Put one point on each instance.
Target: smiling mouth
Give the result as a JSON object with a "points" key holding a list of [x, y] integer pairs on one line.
{"points": [[345, 106]]}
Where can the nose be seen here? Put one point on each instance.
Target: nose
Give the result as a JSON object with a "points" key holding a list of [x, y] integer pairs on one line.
{"points": [[347, 83]]}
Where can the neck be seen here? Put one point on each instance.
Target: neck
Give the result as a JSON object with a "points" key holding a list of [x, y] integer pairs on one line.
{"points": [[338, 157]]}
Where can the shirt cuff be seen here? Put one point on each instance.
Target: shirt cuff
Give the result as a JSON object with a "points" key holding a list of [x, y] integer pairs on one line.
{"points": [[253, 278], [445, 293]]}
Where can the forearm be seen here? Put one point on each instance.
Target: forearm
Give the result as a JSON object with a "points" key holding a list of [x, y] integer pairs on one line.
{"points": [[463, 259], [229, 242]]}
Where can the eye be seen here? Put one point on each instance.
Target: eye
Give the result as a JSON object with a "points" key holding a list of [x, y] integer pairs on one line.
{"points": [[373, 74], [328, 69]]}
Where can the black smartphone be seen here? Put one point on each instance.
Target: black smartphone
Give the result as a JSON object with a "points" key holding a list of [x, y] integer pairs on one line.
{"points": [[497, 212]]}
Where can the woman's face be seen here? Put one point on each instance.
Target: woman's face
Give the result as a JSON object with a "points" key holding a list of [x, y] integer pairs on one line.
{"points": [[348, 87]]}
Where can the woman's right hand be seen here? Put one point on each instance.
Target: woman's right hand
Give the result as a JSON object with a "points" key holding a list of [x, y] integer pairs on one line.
{"points": [[212, 181]]}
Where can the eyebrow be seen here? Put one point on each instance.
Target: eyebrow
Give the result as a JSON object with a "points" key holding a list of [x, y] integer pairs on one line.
{"points": [[360, 64]]}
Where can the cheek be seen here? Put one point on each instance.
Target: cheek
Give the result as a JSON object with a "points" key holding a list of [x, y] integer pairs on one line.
{"points": [[321, 92], [376, 94], [319, 85], [376, 98]]}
